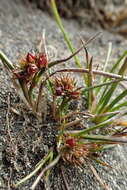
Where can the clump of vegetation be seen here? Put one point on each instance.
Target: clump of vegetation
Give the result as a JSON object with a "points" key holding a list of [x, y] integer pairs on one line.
{"points": [[34, 81]]}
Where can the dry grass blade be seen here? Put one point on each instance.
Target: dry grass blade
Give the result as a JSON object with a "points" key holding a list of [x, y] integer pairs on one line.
{"points": [[107, 114], [52, 164], [91, 97], [98, 126], [87, 58], [42, 44], [88, 115], [86, 52], [96, 72], [105, 65], [64, 178], [121, 123], [101, 162], [72, 123], [105, 186], [65, 34], [72, 55], [123, 85], [37, 168], [14, 110], [91, 72], [47, 185], [103, 138]]}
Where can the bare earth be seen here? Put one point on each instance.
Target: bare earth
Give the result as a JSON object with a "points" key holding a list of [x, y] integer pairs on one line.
{"points": [[25, 141]]}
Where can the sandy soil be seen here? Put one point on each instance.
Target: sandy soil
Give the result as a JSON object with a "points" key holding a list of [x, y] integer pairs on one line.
{"points": [[26, 141]]}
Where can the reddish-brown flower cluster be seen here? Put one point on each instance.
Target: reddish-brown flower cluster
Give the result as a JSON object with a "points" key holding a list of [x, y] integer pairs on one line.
{"points": [[71, 142], [66, 86], [76, 153], [30, 65]]}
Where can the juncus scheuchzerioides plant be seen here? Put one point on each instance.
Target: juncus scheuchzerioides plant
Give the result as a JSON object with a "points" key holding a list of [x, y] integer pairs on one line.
{"points": [[81, 135]]}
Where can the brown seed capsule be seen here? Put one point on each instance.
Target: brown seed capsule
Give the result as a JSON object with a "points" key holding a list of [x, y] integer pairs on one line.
{"points": [[30, 57], [71, 142], [59, 91], [65, 86], [31, 69], [42, 61]]}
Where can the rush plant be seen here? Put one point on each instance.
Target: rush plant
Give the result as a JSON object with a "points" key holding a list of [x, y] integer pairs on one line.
{"points": [[106, 104], [33, 79]]}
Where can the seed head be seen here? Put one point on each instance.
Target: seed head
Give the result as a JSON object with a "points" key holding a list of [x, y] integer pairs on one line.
{"points": [[30, 65], [71, 142], [42, 61], [76, 153], [30, 57], [59, 91], [66, 86], [31, 69]]}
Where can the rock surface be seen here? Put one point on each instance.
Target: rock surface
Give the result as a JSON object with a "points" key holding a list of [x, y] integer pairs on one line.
{"points": [[20, 30]]}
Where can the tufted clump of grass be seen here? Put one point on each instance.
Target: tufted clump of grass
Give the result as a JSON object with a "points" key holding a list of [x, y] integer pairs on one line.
{"points": [[35, 78]]}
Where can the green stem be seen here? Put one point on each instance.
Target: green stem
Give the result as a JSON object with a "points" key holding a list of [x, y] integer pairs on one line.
{"points": [[62, 106], [66, 37], [48, 167], [35, 81], [42, 162], [102, 84], [105, 138], [92, 128], [6, 61]]}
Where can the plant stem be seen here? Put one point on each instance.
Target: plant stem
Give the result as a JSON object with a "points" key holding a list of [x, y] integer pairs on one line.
{"points": [[102, 84], [91, 97], [86, 131], [72, 123], [6, 61], [41, 163], [61, 108], [51, 64], [77, 113], [99, 126], [53, 163], [105, 138], [105, 186], [96, 72], [66, 37], [105, 64]]}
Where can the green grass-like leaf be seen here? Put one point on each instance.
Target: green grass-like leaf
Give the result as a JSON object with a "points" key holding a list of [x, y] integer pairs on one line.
{"points": [[65, 34], [38, 167], [7, 63], [102, 79], [104, 138], [103, 102], [119, 106], [112, 70]]}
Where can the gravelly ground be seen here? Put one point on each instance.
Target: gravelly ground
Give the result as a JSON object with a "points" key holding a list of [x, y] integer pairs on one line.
{"points": [[20, 30]]}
